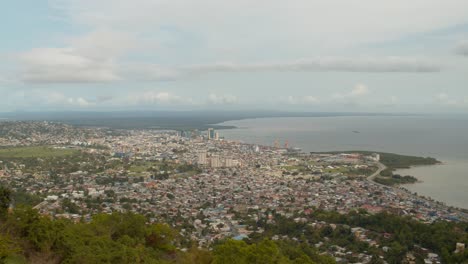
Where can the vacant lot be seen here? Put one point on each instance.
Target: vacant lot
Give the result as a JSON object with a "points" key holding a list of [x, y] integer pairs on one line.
{"points": [[35, 152]]}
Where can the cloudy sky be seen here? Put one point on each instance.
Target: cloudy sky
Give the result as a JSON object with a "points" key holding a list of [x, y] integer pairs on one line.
{"points": [[301, 55]]}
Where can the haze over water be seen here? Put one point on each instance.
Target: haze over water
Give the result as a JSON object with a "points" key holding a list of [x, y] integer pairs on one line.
{"points": [[444, 138]]}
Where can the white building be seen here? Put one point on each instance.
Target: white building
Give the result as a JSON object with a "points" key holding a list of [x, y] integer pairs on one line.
{"points": [[202, 160], [215, 162]]}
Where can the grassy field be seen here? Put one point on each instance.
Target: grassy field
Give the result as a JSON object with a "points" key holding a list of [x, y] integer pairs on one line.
{"points": [[35, 152]]}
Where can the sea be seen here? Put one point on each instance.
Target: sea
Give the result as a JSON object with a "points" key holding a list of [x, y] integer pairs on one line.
{"points": [[442, 137]]}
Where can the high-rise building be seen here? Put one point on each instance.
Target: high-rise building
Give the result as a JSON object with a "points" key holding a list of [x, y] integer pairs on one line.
{"points": [[228, 163], [216, 136], [186, 134], [202, 158], [210, 133], [215, 162]]}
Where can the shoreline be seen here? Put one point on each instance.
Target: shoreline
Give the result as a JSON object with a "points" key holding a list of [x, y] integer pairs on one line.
{"points": [[396, 187]]}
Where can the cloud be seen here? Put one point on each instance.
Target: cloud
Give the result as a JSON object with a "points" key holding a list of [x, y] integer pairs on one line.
{"points": [[462, 48], [445, 99], [103, 44], [391, 101], [385, 64], [61, 65], [359, 90], [92, 57], [302, 100], [59, 99], [150, 72], [74, 65], [221, 99], [302, 23], [377, 65], [104, 98], [156, 97], [186, 32]]}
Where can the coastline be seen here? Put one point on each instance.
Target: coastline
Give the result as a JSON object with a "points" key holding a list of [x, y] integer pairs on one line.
{"points": [[399, 187]]}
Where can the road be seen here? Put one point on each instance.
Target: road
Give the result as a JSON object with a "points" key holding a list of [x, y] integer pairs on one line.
{"points": [[377, 173]]}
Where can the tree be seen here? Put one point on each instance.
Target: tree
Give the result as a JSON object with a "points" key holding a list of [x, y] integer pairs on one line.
{"points": [[5, 200], [7, 248], [160, 237]]}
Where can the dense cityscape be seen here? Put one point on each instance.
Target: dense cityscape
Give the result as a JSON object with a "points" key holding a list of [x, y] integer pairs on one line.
{"points": [[206, 187]]}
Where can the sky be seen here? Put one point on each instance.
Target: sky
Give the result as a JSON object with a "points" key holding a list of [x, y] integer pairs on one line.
{"points": [[295, 55]]}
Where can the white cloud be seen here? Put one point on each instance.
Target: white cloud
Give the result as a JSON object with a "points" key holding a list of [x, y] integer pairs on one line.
{"points": [[394, 99], [153, 72], [445, 99], [212, 27], [150, 72], [311, 99], [359, 90], [55, 65], [226, 25], [302, 100], [222, 99], [384, 64], [462, 48], [59, 99], [88, 58], [156, 97]]}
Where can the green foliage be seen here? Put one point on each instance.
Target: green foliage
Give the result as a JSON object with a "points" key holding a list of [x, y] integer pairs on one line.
{"points": [[35, 152], [240, 252], [5, 199], [396, 161], [395, 179], [24, 198], [267, 251], [114, 238], [440, 237], [8, 247]]}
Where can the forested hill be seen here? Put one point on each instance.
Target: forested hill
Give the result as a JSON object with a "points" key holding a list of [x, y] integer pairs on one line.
{"points": [[28, 237]]}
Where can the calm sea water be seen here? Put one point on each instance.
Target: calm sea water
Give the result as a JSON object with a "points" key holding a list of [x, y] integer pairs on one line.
{"points": [[444, 138]]}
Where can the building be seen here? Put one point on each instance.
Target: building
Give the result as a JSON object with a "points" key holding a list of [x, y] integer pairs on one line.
{"points": [[202, 160], [211, 134], [228, 163], [215, 162], [186, 134]]}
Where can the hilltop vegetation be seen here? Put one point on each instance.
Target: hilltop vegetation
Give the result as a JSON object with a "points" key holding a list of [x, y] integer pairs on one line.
{"points": [[28, 237]]}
